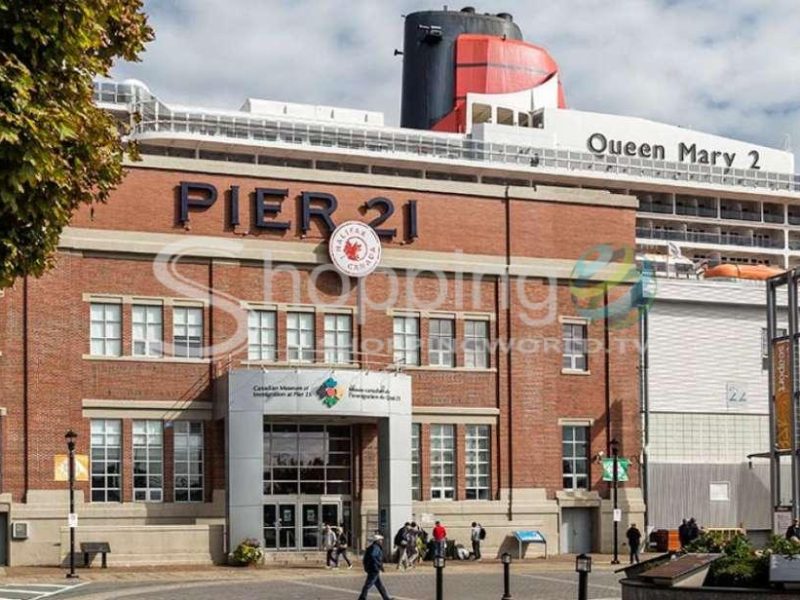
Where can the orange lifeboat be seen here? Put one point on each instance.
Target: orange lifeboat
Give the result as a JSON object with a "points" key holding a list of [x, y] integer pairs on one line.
{"points": [[759, 272]]}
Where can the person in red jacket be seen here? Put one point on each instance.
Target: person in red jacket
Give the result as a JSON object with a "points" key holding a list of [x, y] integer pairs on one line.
{"points": [[439, 538]]}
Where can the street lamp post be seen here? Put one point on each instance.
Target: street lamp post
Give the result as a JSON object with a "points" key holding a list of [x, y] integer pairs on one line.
{"points": [[71, 436], [506, 559], [438, 564], [615, 454], [583, 566]]}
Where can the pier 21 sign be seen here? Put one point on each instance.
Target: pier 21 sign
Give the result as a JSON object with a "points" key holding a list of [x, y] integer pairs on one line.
{"points": [[267, 204]]}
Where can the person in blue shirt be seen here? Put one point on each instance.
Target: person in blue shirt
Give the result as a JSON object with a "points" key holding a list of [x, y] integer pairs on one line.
{"points": [[373, 565]]}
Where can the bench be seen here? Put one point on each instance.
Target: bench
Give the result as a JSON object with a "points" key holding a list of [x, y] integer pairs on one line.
{"points": [[102, 548]]}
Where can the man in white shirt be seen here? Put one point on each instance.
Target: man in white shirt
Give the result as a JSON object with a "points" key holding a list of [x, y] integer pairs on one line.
{"points": [[475, 536]]}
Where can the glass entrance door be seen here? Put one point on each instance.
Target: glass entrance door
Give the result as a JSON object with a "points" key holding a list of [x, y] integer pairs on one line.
{"points": [[311, 527], [287, 525]]}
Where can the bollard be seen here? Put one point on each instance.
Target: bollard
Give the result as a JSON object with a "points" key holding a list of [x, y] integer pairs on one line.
{"points": [[583, 566], [506, 559], [438, 564]]}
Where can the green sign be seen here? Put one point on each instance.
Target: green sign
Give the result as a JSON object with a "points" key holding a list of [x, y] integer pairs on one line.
{"points": [[622, 469]]}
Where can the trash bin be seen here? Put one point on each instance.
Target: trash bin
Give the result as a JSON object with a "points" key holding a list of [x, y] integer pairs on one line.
{"points": [[660, 539]]}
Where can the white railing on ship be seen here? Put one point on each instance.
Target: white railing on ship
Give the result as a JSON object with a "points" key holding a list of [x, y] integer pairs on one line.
{"points": [[154, 116]]}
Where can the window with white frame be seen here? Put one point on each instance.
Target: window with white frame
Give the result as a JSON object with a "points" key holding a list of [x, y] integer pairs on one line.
{"points": [[261, 335], [406, 340], [187, 331], [148, 461], [188, 461], [416, 492], [476, 344], [574, 340], [443, 479], [106, 459], [575, 457], [779, 332], [147, 330], [441, 342], [338, 339], [477, 459], [105, 329], [300, 337]]}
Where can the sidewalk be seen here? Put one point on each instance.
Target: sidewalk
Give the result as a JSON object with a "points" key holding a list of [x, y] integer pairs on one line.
{"points": [[565, 563]]}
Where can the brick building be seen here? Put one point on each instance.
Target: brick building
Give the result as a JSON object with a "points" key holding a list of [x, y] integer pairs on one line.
{"points": [[226, 381]]}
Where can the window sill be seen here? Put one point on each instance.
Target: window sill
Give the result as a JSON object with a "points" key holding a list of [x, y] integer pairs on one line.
{"points": [[148, 359], [275, 363], [437, 368], [575, 372]]}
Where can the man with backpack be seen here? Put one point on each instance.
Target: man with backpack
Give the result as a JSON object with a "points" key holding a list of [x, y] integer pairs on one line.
{"points": [[400, 543], [373, 565], [477, 535]]}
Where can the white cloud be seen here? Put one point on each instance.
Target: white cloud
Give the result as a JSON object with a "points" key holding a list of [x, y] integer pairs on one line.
{"points": [[724, 66]]}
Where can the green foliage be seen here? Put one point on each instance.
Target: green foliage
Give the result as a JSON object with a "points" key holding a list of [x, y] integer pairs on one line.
{"points": [[57, 150], [741, 565], [248, 552]]}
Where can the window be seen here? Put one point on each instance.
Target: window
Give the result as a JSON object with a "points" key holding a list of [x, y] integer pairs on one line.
{"points": [[106, 454], [300, 337], [406, 340], [477, 462], [147, 330], [440, 343], [779, 332], [719, 491], [443, 480], [187, 331], [105, 329], [416, 492], [307, 459], [338, 339], [575, 457], [476, 344], [148, 460], [261, 338], [188, 461], [574, 338]]}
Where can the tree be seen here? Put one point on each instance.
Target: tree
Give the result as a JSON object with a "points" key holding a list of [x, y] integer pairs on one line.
{"points": [[57, 149]]}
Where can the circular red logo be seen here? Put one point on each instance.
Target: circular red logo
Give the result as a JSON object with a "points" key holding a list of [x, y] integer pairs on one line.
{"points": [[355, 249]]}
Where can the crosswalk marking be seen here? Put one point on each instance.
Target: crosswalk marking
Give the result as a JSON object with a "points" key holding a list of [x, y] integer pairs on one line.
{"points": [[34, 591]]}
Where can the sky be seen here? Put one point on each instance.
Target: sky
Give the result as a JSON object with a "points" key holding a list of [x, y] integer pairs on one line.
{"points": [[730, 67]]}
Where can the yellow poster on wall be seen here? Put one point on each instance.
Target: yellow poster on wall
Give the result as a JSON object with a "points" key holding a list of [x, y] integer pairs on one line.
{"points": [[62, 467], [782, 390]]}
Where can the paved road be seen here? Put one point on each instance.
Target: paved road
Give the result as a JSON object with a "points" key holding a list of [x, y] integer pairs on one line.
{"points": [[35, 591], [460, 584]]}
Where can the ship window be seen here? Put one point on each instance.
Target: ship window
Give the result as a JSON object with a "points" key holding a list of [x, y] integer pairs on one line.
{"points": [[524, 119], [505, 116], [481, 113]]}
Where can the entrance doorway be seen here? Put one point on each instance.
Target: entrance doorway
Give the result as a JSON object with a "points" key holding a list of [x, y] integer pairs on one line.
{"points": [[297, 524], [307, 483], [576, 530]]}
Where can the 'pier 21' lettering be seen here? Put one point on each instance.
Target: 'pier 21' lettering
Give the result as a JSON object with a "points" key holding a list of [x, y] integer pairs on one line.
{"points": [[267, 205]]}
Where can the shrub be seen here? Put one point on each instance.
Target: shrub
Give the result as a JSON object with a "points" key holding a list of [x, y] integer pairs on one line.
{"points": [[248, 552], [741, 565]]}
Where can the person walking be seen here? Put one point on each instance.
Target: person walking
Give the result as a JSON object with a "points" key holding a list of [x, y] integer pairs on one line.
{"points": [[634, 541], [439, 538], [411, 546], [793, 532], [329, 545], [683, 534], [694, 530], [475, 535], [341, 547], [373, 566], [399, 542]]}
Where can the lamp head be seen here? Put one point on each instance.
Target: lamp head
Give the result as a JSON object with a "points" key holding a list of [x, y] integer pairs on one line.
{"points": [[614, 446], [506, 558], [438, 562], [583, 563], [70, 436]]}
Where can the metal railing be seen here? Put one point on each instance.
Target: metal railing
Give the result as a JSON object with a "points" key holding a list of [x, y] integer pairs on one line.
{"points": [[153, 116], [696, 211], [739, 215], [707, 238]]}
